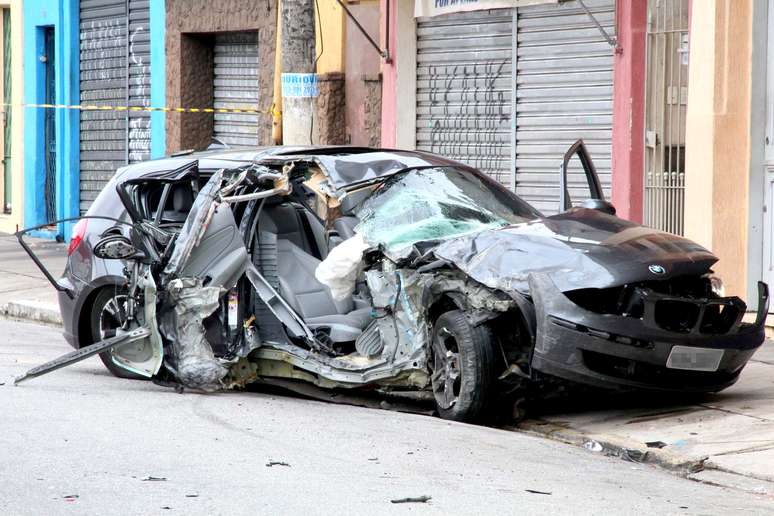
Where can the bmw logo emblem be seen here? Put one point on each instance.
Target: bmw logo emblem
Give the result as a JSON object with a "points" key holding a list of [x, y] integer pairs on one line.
{"points": [[657, 269]]}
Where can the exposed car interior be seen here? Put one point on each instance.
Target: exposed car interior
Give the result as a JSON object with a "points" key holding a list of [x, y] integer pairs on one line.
{"points": [[302, 243], [177, 199]]}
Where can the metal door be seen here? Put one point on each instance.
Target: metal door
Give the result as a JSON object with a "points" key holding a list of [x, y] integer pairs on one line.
{"points": [[236, 87], [49, 126], [464, 88], [564, 91], [7, 84], [114, 71], [666, 99]]}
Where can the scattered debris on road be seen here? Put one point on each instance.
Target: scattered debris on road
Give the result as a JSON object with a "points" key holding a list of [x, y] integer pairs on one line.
{"points": [[593, 446], [413, 499], [153, 479], [276, 463], [633, 455], [535, 491]]}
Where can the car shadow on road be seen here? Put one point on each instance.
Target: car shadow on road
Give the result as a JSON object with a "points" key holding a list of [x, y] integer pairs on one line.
{"points": [[640, 405]]}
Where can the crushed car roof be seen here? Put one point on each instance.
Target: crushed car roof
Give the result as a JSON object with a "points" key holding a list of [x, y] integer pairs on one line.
{"points": [[344, 165]]}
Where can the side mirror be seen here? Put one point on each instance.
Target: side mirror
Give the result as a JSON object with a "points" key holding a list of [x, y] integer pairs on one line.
{"points": [[115, 247]]}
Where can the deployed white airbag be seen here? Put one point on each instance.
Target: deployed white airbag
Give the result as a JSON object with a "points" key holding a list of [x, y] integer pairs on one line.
{"points": [[339, 270]]}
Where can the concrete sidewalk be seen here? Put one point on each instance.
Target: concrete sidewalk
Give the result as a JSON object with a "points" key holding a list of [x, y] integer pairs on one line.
{"points": [[24, 292], [726, 438]]}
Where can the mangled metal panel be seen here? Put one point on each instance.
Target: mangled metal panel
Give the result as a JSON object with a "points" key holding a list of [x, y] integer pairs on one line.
{"points": [[580, 249], [195, 225], [350, 169], [194, 363]]}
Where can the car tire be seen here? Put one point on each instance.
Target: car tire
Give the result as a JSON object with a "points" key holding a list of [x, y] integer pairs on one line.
{"points": [[462, 365], [108, 300]]}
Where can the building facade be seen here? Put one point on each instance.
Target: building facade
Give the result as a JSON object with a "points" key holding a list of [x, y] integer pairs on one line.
{"points": [[222, 57], [730, 139], [12, 133], [678, 112], [508, 90], [94, 54], [111, 57], [505, 90]]}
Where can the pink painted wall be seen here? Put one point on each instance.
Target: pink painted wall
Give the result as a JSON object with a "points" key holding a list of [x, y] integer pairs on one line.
{"points": [[361, 64], [389, 75], [629, 109]]}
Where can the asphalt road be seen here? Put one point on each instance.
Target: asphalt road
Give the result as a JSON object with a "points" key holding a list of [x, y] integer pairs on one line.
{"points": [[79, 441]]}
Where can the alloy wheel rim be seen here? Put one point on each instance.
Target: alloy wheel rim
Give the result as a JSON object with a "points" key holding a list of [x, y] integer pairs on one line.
{"points": [[446, 375], [112, 316]]}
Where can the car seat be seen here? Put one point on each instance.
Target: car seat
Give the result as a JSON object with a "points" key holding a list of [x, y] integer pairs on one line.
{"points": [[313, 301], [296, 265]]}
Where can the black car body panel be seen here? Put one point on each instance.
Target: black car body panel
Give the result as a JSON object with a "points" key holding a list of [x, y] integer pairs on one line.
{"points": [[581, 248], [610, 350]]}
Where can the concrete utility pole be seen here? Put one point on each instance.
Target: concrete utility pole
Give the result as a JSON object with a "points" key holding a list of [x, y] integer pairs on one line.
{"points": [[299, 80]]}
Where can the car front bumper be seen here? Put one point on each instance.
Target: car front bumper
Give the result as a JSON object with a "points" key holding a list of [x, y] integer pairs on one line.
{"points": [[626, 353]]}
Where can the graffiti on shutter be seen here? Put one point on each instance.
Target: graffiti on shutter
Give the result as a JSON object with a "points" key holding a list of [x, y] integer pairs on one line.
{"points": [[114, 71], [464, 89]]}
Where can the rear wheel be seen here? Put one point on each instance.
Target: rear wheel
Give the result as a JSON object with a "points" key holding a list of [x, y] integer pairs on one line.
{"points": [[108, 314], [462, 368]]}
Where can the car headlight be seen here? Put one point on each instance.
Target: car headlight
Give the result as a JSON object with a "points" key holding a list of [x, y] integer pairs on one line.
{"points": [[716, 284]]}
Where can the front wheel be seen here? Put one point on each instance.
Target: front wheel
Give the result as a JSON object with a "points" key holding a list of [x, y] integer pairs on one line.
{"points": [[462, 368], [108, 314]]}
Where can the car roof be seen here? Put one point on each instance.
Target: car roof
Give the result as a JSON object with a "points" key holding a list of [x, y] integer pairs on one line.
{"points": [[346, 165]]}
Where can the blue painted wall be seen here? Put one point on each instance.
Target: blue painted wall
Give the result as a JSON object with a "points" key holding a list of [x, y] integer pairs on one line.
{"points": [[63, 17], [158, 77]]}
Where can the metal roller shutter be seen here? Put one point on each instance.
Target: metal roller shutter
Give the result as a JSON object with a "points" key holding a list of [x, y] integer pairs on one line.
{"points": [[103, 68], [564, 91], [139, 79], [464, 89], [236, 87], [114, 71]]}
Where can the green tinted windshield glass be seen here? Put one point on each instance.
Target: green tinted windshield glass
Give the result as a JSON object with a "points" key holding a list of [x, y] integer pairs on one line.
{"points": [[436, 204]]}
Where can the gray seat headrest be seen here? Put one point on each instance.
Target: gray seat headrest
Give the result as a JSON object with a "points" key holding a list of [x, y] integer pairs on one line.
{"points": [[182, 198]]}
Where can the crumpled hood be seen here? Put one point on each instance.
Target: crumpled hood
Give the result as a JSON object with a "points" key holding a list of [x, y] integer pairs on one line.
{"points": [[580, 248]]}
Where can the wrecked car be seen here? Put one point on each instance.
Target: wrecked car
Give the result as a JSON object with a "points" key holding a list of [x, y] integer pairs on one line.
{"points": [[357, 268]]}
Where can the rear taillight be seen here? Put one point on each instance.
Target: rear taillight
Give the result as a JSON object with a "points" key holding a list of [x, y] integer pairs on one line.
{"points": [[79, 231]]}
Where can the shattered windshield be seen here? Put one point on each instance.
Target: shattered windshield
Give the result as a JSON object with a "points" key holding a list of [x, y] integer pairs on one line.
{"points": [[435, 204]]}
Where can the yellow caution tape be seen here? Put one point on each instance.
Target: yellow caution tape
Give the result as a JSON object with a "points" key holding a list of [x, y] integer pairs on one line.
{"points": [[92, 107]]}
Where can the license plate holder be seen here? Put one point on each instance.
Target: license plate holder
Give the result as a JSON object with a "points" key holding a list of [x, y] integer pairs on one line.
{"points": [[689, 358]]}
